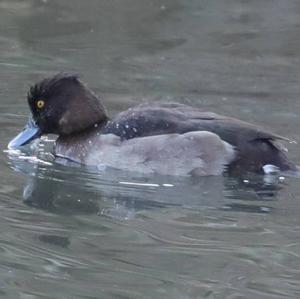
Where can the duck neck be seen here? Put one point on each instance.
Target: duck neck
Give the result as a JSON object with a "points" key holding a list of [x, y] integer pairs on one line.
{"points": [[81, 137]]}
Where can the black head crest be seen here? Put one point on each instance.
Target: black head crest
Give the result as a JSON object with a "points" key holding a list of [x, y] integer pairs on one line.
{"points": [[49, 87]]}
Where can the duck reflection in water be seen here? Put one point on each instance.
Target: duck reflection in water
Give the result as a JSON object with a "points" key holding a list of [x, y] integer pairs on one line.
{"points": [[57, 189], [160, 139]]}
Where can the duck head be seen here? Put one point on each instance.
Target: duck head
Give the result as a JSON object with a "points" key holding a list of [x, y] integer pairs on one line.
{"points": [[60, 105]]}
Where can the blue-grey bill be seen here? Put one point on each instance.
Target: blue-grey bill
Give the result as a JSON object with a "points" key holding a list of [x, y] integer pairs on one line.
{"points": [[30, 132]]}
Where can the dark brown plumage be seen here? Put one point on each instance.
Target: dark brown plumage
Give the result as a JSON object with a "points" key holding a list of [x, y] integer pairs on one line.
{"points": [[75, 113], [255, 146]]}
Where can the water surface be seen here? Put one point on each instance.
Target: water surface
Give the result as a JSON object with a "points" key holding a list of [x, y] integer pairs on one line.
{"points": [[72, 232]]}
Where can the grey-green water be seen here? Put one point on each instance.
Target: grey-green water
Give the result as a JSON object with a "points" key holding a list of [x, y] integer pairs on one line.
{"points": [[70, 232]]}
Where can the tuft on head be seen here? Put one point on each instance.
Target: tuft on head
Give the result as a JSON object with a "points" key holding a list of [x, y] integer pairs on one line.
{"points": [[68, 105], [49, 87]]}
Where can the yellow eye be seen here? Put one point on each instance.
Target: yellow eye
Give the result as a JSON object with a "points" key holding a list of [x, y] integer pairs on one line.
{"points": [[40, 104]]}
